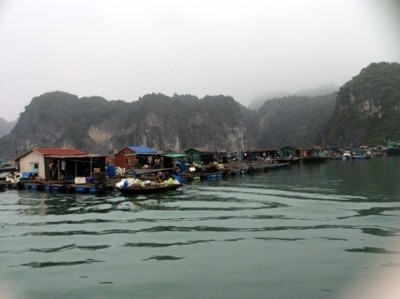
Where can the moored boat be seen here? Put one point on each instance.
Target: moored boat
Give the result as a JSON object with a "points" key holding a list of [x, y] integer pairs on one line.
{"points": [[393, 148], [136, 186], [346, 155], [314, 155]]}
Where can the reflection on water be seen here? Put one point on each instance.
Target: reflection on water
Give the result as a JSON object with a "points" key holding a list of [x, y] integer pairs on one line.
{"points": [[308, 231]]}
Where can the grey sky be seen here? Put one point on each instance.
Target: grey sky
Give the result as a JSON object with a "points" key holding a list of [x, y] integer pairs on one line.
{"points": [[126, 49]]}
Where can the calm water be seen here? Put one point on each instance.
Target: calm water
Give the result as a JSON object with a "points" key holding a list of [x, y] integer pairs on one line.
{"points": [[310, 231]]}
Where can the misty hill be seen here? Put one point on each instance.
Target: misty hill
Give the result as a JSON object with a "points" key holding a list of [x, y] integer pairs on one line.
{"points": [[321, 90], [294, 120], [368, 108], [97, 125], [59, 119], [6, 127]]}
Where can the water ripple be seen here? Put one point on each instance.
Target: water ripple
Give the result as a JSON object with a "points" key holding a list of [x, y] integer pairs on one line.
{"points": [[56, 249], [377, 250], [279, 239], [198, 228], [55, 264], [381, 232], [164, 258], [145, 220], [166, 244], [240, 235]]}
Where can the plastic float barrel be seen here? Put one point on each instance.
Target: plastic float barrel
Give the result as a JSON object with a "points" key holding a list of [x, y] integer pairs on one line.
{"points": [[80, 190], [32, 187], [55, 189], [111, 171]]}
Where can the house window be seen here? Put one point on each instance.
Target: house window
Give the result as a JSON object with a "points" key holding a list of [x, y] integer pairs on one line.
{"points": [[35, 167]]}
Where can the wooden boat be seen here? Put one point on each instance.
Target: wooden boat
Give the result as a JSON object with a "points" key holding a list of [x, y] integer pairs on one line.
{"points": [[148, 189], [346, 155], [135, 186]]}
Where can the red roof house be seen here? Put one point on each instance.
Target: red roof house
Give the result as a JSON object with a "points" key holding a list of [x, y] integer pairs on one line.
{"points": [[60, 163]]}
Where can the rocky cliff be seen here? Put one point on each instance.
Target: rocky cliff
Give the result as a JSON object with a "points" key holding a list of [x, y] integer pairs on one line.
{"points": [[59, 119], [294, 121], [367, 108]]}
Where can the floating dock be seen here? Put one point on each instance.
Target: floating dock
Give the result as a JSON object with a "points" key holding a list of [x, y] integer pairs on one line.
{"points": [[59, 186]]}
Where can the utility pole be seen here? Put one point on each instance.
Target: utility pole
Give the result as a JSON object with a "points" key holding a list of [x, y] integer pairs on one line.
{"points": [[16, 149]]}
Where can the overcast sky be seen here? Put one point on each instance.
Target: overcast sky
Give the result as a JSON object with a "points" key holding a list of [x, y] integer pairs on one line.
{"points": [[126, 49]]}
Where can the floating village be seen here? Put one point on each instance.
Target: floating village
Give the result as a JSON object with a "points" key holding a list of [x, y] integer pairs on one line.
{"points": [[141, 169]]}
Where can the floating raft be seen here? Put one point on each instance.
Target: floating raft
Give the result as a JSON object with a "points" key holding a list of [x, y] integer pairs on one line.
{"points": [[237, 168], [58, 187]]}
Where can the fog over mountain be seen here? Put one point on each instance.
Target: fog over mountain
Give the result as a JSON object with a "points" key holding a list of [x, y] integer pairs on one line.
{"points": [[318, 91], [6, 126], [123, 50], [365, 110]]}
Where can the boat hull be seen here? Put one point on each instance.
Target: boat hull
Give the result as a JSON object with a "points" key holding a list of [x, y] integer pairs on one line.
{"points": [[148, 189], [393, 151]]}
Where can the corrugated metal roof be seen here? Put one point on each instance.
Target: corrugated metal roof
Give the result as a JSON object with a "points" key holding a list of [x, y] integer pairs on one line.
{"points": [[46, 151], [174, 155], [198, 150], [144, 150]]}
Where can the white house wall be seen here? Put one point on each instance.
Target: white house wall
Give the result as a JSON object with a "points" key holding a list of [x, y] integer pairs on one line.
{"points": [[26, 163]]}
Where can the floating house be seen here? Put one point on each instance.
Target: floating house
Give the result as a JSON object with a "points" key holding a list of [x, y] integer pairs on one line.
{"points": [[289, 151], [259, 154], [60, 163], [171, 159], [200, 156], [393, 148], [314, 154], [132, 157]]}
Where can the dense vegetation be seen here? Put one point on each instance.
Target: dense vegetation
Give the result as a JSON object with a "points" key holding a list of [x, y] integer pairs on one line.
{"points": [[174, 123], [294, 121], [366, 110]]}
